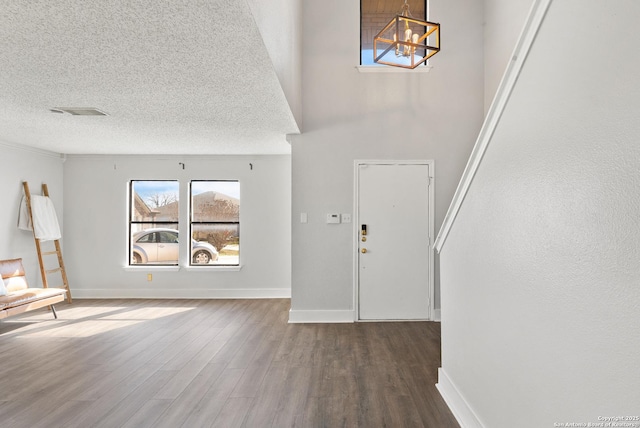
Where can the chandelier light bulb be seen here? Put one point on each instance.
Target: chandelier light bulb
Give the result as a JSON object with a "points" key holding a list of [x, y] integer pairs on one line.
{"points": [[407, 38], [414, 39]]}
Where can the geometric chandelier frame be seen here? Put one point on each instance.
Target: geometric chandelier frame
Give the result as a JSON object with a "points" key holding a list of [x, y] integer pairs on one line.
{"points": [[400, 44]]}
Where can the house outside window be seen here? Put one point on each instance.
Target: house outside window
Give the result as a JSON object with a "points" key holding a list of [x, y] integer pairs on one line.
{"points": [[153, 222], [375, 14], [215, 222]]}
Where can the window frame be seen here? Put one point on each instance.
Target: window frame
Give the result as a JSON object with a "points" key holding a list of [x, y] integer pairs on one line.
{"points": [[375, 66], [212, 223], [154, 222]]}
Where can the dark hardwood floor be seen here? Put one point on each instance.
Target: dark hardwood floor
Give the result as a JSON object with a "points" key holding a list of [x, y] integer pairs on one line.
{"points": [[221, 363]]}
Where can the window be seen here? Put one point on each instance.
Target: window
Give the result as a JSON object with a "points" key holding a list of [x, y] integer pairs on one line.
{"points": [[215, 223], [375, 14], [153, 222]]}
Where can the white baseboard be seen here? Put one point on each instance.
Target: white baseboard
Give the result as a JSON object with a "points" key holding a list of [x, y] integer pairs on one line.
{"points": [[181, 293], [437, 315], [456, 402], [313, 316]]}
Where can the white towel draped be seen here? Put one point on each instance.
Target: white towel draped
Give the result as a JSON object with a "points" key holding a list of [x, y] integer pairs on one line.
{"points": [[24, 222], [45, 220]]}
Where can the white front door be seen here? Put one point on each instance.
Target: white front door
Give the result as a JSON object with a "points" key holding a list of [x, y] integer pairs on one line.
{"points": [[394, 254]]}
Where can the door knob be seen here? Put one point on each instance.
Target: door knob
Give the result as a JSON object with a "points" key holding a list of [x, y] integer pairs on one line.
{"points": [[364, 250]]}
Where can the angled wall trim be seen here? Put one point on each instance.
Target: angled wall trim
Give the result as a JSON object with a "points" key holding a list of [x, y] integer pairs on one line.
{"points": [[509, 79]]}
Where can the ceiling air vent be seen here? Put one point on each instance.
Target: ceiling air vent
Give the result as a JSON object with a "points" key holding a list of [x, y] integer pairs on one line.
{"points": [[79, 111]]}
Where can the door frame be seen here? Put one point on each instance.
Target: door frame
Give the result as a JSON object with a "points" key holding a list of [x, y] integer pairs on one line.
{"points": [[356, 232]]}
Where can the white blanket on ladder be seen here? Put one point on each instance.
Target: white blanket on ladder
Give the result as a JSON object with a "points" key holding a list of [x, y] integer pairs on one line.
{"points": [[45, 221]]}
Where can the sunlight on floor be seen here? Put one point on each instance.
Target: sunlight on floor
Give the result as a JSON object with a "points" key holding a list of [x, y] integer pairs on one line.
{"points": [[81, 329], [76, 322], [146, 313]]}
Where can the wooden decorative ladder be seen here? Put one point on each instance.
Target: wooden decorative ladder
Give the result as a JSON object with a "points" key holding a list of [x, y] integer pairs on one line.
{"points": [[58, 251]]}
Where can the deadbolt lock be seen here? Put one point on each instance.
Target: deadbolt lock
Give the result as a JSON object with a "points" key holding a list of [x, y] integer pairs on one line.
{"points": [[364, 239]]}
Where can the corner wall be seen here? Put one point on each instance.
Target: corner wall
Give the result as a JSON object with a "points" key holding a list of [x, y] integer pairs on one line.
{"points": [[350, 115], [540, 270], [96, 213], [21, 163], [279, 22]]}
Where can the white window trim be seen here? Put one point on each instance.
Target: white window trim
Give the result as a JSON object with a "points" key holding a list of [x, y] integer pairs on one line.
{"points": [[195, 267], [224, 268], [142, 267], [391, 69]]}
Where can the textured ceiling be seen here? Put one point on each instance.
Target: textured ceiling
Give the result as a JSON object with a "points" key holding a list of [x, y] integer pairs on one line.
{"points": [[174, 77]]}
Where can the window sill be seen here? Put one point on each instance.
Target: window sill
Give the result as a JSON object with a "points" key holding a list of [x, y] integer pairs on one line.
{"points": [[214, 268], [151, 268], [391, 69]]}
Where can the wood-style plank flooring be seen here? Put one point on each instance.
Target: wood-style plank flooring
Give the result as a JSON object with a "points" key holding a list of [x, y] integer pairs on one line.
{"points": [[220, 363]]}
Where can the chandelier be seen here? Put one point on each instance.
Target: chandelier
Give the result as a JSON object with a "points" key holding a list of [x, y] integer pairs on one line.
{"points": [[406, 41]]}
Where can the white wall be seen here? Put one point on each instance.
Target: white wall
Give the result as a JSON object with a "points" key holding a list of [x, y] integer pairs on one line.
{"points": [[540, 273], [350, 115], [36, 167], [503, 22], [96, 232], [280, 26]]}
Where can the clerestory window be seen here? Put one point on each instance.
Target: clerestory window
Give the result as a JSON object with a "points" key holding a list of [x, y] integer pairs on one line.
{"points": [[375, 14]]}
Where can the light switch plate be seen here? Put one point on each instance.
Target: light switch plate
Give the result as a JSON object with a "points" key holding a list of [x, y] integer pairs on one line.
{"points": [[346, 218]]}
